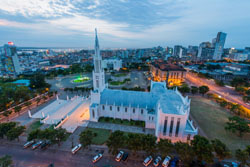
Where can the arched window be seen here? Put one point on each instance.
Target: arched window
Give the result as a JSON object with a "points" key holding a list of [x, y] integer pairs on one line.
{"points": [[103, 107], [118, 108], [110, 108], [133, 110], [141, 111], [126, 109]]}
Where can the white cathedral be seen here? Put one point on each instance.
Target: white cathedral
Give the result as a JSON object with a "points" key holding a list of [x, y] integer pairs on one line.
{"points": [[162, 109]]}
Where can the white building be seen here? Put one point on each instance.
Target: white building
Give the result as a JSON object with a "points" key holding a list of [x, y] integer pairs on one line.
{"points": [[164, 110], [114, 64]]}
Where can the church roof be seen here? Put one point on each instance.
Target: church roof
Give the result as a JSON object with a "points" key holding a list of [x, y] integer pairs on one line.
{"points": [[170, 101]]}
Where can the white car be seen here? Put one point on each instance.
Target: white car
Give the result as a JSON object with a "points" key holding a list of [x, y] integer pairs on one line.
{"points": [[76, 148], [29, 143], [147, 161], [119, 156], [166, 161], [97, 157]]}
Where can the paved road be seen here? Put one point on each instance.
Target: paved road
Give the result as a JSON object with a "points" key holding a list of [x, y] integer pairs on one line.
{"points": [[224, 92], [38, 158]]}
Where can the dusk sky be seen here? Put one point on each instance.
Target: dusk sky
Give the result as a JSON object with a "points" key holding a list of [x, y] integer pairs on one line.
{"points": [[123, 23]]}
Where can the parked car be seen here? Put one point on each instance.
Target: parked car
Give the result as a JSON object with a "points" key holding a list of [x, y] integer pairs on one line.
{"points": [[166, 161], [157, 161], [28, 144], [76, 148], [96, 158], [174, 162], [36, 145], [125, 156], [147, 161], [119, 156], [45, 144]]}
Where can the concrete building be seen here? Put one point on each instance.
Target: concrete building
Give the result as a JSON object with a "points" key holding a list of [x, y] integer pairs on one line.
{"points": [[113, 64], [9, 62], [169, 73], [219, 45], [166, 111]]}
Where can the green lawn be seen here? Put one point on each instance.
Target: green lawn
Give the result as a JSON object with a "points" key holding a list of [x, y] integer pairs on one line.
{"points": [[122, 122], [102, 135], [117, 82], [212, 119], [35, 125]]}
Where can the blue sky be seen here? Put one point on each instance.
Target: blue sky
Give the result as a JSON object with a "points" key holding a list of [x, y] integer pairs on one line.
{"points": [[123, 23]]}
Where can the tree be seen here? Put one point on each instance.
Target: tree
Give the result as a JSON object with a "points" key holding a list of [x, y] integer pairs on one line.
{"points": [[185, 151], [15, 132], [17, 109], [248, 149], [237, 124], [220, 149], [5, 127], [86, 138], [7, 113], [27, 104], [241, 156], [5, 161], [219, 83], [164, 146], [203, 90], [38, 100], [236, 82], [115, 141], [134, 142], [34, 134], [61, 135], [184, 89], [38, 81], [194, 89], [202, 149], [149, 143]]}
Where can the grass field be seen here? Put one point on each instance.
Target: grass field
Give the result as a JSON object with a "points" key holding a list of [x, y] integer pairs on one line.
{"points": [[102, 135], [120, 75], [212, 119]]}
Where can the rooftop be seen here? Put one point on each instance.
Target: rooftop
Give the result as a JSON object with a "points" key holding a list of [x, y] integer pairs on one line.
{"points": [[164, 66]]}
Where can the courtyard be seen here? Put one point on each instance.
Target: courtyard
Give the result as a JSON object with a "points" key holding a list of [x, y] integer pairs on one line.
{"points": [[212, 119]]}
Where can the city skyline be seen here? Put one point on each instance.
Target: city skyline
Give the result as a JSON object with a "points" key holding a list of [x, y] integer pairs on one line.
{"points": [[123, 23]]}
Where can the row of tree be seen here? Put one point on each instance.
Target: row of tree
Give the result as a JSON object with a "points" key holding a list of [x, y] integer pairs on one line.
{"points": [[232, 107], [6, 161], [56, 136], [11, 130], [200, 148], [193, 89]]}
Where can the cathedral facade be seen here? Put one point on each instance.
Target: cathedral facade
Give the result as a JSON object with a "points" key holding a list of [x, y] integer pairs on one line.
{"points": [[164, 110]]}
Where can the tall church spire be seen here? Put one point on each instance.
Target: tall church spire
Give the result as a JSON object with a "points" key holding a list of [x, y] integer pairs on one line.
{"points": [[98, 73], [97, 47]]}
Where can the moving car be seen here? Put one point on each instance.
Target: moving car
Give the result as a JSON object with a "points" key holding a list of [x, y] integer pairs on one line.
{"points": [[36, 145], [166, 161], [76, 148], [28, 144], [147, 161], [157, 161], [119, 156], [96, 158]]}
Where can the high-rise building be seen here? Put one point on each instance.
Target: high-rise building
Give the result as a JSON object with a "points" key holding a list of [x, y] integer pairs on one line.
{"points": [[219, 45], [9, 62]]}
